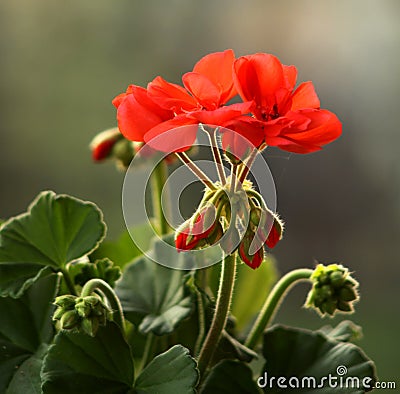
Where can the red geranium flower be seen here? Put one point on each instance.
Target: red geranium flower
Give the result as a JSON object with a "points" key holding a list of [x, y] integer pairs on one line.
{"points": [[137, 113], [146, 113], [207, 89], [286, 117]]}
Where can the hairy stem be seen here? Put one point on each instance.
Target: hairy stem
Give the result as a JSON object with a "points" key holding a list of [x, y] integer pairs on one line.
{"points": [[216, 153], [273, 301], [195, 169], [247, 166], [222, 307], [158, 179]]}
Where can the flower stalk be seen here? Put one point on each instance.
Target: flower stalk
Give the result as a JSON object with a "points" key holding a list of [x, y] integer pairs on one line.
{"points": [[158, 179], [216, 153], [69, 282], [222, 307], [273, 302], [196, 170]]}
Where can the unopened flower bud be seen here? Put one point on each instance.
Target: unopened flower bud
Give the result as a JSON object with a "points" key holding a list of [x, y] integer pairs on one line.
{"points": [[270, 229], [204, 227], [252, 260], [104, 269], [334, 290], [90, 326], [82, 313], [69, 320], [65, 301], [123, 152], [103, 143]]}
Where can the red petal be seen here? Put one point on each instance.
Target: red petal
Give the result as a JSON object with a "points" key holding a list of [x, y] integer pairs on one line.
{"points": [[253, 261], [205, 92], [137, 113], [274, 236], [249, 129], [171, 96], [217, 67], [290, 73], [258, 77], [321, 128], [118, 100], [220, 116], [175, 135], [305, 97]]}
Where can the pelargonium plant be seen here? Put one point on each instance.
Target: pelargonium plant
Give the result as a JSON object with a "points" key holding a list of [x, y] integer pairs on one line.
{"points": [[149, 313]]}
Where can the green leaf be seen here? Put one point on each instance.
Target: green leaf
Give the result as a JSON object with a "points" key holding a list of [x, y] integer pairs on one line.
{"points": [[26, 379], [345, 331], [230, 377], [153, 296], [302, 353], [171, 372], [25, 324], [124, 250], [229, 347], [55, 230], [78, 363]]}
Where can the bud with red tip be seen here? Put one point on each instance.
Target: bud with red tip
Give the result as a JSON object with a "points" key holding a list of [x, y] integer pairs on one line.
{"points": [[111, 144], [270, 227], [252, 260], [204, 228], [102, 145]]}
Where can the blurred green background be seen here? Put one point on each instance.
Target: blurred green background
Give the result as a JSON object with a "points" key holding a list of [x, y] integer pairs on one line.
{"points": [[62, 62]]}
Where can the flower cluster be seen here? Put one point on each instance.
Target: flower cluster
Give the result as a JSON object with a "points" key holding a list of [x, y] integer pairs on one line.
{"points": [[218, 218], [272, 112], [334, 290], [84, 314]]}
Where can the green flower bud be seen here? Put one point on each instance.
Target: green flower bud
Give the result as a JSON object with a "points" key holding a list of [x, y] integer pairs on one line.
{"points": [[83, 308], [69, 320], [104, 269], [123, 152], [84, 314], [65, 301], [333, 290], [58, 313], [90, 326]]}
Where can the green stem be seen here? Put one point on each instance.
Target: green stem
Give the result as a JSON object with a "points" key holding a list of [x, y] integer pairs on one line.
{"points": [[158, 179], [69, 282], [106, 289], [222, 308], [148, 350], [202, 322], [273, 301]]}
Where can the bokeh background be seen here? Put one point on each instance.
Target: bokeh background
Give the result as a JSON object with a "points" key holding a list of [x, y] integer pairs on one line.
{"points": [[61, 63]]}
